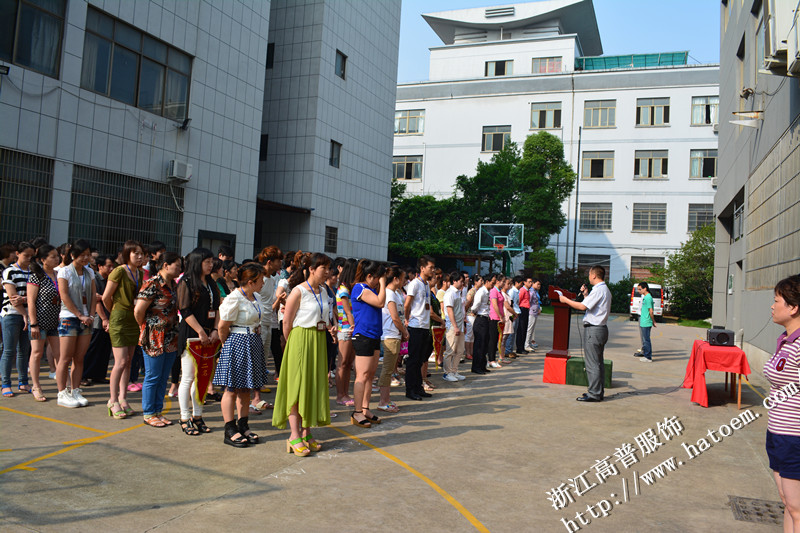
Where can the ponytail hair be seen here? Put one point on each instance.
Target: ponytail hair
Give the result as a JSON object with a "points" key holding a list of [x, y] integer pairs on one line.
{"points": [[369, 267], [303, 264], [41, 254]]}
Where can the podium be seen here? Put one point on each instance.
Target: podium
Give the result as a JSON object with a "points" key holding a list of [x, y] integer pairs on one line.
{"points": [[555, 361]]}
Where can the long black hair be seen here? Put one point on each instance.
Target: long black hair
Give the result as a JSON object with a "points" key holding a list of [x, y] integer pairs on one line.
{"points": [[303, 267], [193, 276], [41, 254], [348, 274]]}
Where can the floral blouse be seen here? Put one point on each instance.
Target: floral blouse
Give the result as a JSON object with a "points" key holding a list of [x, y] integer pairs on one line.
{"points": [[159, 333]]}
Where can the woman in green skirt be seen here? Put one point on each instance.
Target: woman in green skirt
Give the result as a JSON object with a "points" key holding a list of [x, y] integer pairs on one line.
{"points": [[302, 396]]}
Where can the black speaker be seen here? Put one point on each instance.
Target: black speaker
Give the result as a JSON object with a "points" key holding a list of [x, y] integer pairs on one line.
{"points": [[720, 337]]}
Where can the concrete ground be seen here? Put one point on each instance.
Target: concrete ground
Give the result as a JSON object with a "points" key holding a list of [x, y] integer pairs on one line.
{"points": [[480, 455]]}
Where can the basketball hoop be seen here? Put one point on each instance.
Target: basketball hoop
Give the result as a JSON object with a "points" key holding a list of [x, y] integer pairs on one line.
{"points": [[499, 246]]}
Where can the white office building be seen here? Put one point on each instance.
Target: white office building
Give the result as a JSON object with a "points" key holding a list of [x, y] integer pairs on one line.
{"points": [[640, 130]]}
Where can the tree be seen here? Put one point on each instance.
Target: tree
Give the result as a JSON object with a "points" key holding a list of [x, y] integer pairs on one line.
{"points": [[423, 225], [689, 274]]}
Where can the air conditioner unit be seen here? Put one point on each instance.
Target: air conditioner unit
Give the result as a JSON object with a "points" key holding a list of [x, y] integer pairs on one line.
{"points": [[792, 50], [179, 171], [716, 127], [714, 182]]}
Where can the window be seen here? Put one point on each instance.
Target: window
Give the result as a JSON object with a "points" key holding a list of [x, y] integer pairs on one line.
{"points": [[704, 110], [703, 164], [650, 217], [595, 217], [331, 239], [262, 151], [407, 167], [31, 32], [341, 64], [652, 111], [700, 215], [499, 68], [495, 138], [125, 64], [336, 153], [546, 116], [26, 194], [650, 164], [600, 114], [107, 209], [542, 65], [409, 122], [587, 261], [641, 265], [598, 165], [270, 55]]}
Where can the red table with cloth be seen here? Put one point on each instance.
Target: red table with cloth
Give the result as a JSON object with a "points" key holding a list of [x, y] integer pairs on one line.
{"points": [[707, 357]]}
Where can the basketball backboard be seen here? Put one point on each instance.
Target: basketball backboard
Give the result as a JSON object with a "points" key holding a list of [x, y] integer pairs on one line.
{"points": [[501, 237]]}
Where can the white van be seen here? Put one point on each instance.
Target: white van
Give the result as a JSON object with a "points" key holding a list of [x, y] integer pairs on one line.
{"points": [[636, 301]]}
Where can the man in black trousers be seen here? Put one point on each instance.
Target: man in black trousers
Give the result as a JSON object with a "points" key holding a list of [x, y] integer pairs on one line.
{"points": [[417, 309]]}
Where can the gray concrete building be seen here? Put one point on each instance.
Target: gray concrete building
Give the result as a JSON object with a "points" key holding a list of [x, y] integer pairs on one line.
{"points": [[326, 144], [757, 205]]}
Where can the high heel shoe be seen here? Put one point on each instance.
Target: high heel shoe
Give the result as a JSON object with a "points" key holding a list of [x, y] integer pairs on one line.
{"points": [[362, 423], [114, 410], [372, 419], [230, 431], [244, 429], [302, 451], [312, 444]]}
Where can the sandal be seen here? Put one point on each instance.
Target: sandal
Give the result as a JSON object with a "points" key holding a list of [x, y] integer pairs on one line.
{"points": [[37, 394], [253, 410], [188, 427], [244, 429], [166, 421], [115, 411], [262, 405], [300, 451], [155, 422], [127, 408], [390, 407], [24, 389], [201, 425], [230, 436], [372, 418], [7, 392], [347, 403], [312, 444], [360, 423]]}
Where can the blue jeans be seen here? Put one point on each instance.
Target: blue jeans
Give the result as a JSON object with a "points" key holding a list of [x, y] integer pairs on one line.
{"points": [[14, 340], [647, 348], [156, 373], [511, 340]]}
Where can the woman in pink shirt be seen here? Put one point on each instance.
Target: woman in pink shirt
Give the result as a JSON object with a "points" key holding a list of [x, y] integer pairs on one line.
{"points": [[496, 320]]}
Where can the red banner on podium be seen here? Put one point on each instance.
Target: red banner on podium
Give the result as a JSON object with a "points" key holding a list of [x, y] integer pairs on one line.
{"points": [[204, 364]]}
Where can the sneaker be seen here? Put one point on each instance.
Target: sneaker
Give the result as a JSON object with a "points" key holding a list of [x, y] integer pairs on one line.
{"points": [[65, 399], [449, 377], [459, 377], [76, 393], [645, 360], [495, 364], [396, 382], [52, 375]]}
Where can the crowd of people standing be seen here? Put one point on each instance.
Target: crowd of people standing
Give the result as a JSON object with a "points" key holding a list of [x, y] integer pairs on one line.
{"points": [[325, 322]]}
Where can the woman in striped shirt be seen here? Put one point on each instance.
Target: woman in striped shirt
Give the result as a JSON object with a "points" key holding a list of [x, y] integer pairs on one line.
{"points": [[783, 428]]}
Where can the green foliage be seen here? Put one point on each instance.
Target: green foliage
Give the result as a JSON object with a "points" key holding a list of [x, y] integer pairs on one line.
{"points": [[541, 262], [621, 294], [397, 192], [525, 188], [689, 274]]}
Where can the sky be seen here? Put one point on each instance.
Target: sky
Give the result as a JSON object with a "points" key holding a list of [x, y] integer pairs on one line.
{"points": [[626, 27]]}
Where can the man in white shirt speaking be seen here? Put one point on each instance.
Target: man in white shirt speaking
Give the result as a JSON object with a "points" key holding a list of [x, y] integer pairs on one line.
{"points": [[597, 305]]}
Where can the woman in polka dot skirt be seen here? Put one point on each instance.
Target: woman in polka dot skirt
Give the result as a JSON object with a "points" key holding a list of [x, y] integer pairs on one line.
{"points": [[241, 366]]}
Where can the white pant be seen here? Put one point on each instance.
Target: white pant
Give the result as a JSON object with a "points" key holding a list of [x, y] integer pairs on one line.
{"points": [[470, 335], [187, 390], [266, 338], [529, 336]]}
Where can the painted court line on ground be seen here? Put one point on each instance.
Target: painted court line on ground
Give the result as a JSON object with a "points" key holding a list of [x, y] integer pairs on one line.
{"points": [[52, 420], [452, 501]]}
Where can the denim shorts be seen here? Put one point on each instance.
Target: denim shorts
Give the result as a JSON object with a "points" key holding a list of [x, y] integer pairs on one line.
{"points": [[344, 336], [44, 333], [72, 327]]}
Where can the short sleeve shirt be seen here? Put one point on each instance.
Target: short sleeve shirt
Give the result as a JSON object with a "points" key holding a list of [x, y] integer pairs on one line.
{"points": [[495, 294], [480, 306], [644, 314], [781, 370], [341, 295], [390, 331], [17, 277], [452, 298], [420, 314], [368, 318], [159, 333], [598, 305]]}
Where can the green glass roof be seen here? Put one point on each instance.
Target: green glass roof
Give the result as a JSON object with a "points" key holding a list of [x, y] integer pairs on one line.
{"points": [[631, 61]]}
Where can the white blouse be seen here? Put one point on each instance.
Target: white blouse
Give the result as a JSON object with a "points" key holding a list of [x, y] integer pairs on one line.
{"points": [[309, 312], [236, 308]]}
